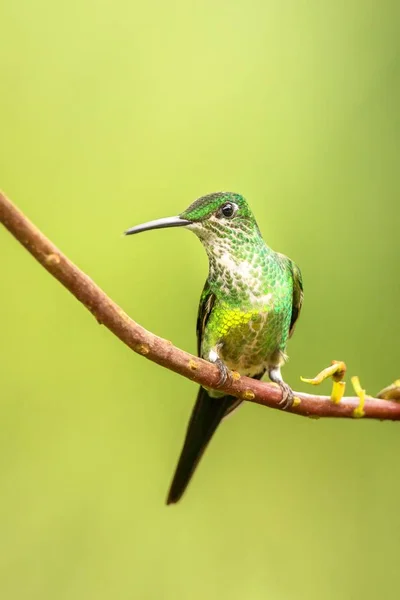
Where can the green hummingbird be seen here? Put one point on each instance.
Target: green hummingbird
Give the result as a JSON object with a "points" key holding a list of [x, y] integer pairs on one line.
{"points": [[248, 309]]}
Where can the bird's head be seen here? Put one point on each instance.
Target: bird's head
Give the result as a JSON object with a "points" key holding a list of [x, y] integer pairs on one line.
{"points": [[218, 215]]}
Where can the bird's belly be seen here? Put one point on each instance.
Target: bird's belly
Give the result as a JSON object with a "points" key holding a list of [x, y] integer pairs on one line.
{"points": [[248, 341]]}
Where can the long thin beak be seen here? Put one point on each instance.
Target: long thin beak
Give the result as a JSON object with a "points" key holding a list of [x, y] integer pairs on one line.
{"points": [[158, 224]]}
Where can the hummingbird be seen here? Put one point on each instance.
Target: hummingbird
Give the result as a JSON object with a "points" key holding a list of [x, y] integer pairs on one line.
{"points": [[248, 310]]}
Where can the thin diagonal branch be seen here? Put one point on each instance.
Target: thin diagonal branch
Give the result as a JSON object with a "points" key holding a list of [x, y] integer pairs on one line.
{"points": [[162, 351]]}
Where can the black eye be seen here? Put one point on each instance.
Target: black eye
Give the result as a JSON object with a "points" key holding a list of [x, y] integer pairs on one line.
{"points": [[228, 209]]}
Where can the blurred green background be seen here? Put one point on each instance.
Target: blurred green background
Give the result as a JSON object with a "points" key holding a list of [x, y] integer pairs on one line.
{"points": [[112, 114]]}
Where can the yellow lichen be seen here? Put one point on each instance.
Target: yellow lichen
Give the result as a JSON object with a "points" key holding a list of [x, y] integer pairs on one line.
{"points": [[142, 349], [193, 365], [296, 401], [248, 395], [359, 411], [337, 393], [52, 259]]}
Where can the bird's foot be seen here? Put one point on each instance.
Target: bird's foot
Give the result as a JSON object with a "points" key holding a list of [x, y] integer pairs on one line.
{"points": [[287, 392], [224, 373], [337, 371], [287, 395]]}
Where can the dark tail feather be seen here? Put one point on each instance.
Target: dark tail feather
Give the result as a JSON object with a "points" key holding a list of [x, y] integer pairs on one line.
{"points": [[206, 416]]}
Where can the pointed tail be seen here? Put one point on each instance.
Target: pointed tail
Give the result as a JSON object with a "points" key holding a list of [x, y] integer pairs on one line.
{"points": [[206, 416]]}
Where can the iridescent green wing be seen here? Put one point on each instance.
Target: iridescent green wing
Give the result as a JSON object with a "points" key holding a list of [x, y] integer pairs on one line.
{"points": [[297, 294], [207, 301]]}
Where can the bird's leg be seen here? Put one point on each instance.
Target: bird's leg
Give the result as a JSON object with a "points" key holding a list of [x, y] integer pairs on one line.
{"points": [[337, 371], [224, 372], [287, 393]]}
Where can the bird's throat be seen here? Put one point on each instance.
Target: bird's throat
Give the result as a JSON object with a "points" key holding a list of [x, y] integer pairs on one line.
{"points": [[239, 273]]}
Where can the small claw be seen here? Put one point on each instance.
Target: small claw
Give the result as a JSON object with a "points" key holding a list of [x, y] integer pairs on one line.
{"points": [[359, 411], [224, 372], [275, 376], [287, 396]]}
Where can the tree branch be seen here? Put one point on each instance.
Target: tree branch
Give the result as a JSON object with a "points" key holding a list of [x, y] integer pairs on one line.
{"points": [[161, 351]]}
